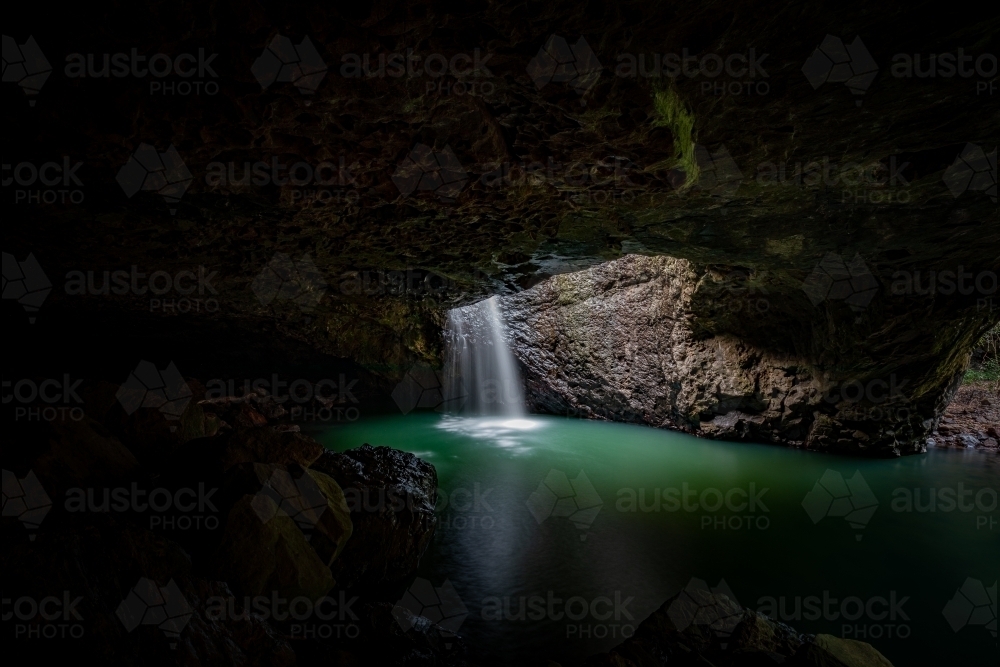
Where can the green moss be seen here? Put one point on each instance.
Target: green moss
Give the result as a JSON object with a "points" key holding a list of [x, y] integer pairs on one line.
{"points": [[989, 370], [673, 114]]}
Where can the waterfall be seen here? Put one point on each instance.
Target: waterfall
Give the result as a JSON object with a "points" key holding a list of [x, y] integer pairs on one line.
{"points": [[480, 364]]}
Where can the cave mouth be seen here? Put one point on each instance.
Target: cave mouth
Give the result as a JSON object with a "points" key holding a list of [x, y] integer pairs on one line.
{"points": [[439, 334]]}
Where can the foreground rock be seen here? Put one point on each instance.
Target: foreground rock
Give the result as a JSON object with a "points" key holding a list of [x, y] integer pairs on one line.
{"points": [[391, 496], [698, 628], [109, 578], [651, 340], [208, 579], [284, 528]]}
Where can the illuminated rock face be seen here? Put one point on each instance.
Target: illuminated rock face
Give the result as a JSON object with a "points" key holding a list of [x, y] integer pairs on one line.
{"points": [[652, 340]]}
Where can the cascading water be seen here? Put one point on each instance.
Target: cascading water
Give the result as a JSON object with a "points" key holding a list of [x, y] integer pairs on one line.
{"points": [[480, 364]]}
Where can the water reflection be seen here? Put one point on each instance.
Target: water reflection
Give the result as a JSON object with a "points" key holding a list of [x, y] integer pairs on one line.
{"points": [[504, 433]]}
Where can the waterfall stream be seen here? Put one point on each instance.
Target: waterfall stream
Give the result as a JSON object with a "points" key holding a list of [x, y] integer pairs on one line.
{"points": [[480, 364]]}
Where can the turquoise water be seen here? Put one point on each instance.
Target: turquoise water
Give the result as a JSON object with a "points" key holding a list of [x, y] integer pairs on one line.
{"points": [[587, 558]]}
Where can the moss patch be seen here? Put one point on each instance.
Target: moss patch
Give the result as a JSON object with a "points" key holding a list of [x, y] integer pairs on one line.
{"points": [[672, 113]]}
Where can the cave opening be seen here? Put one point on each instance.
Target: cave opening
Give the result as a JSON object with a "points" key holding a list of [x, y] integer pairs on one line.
{"points": [[438, 334]]}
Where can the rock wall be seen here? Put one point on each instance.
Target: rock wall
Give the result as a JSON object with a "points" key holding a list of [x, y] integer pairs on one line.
{"points": [[656, 340]]}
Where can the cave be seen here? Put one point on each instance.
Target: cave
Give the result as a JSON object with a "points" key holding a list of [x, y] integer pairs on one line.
{"points": [[438, 335]]}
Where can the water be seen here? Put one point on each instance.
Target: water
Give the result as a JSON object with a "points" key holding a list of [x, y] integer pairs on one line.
{"points": [[479, 362], [490, 544]]}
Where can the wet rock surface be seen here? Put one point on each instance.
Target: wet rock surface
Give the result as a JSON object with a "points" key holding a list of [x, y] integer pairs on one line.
{"points": [[699, 627], [972, 419], [624, 341], [391, 496]]}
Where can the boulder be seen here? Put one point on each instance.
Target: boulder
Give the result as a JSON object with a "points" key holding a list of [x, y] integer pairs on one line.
{"points": [[256, 444], [67, 453], [700, 627], [284, 527], [391, 496], [108, 576], [654, 340]]}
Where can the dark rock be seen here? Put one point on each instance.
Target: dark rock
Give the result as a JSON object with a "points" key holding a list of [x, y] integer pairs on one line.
{"points": [[153, 436], [697, 628], [284, 527], [67, 453], [969, 441], [257, 444], [252, 409], [381, 640], [391, 495], [101, 564]]}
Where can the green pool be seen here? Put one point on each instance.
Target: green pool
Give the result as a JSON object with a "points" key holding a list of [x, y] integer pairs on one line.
{"points": [[560, 536]]}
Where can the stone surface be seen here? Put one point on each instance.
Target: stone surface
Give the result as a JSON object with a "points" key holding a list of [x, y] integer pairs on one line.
{"points": [[100, 563], [624, 341], [284, 533], [257, 444], [391, 496], [67, 453], [971, 419], [280, 527], [697, 628]]}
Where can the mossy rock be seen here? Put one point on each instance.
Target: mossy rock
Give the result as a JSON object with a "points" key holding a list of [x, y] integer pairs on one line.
{"points": [[284, 537]]}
